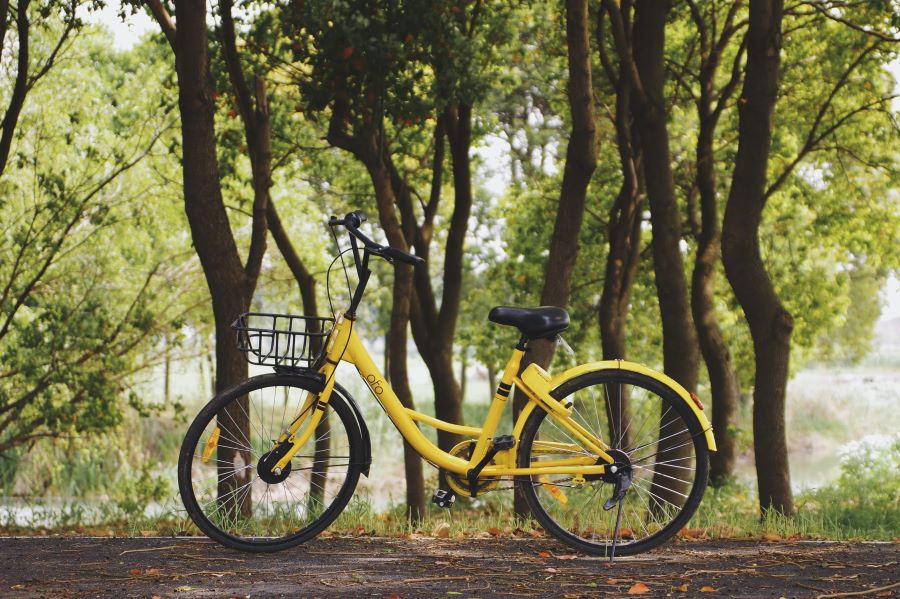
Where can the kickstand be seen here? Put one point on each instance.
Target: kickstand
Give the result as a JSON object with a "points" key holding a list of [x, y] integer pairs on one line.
{"points": [[612, 553]]}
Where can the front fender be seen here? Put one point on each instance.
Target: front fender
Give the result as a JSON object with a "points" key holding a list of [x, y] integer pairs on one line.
{"points": [[685, 396], [363, 429]]}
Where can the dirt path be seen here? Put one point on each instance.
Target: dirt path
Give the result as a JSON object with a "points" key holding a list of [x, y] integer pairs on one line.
{"points": [[379, 567]]}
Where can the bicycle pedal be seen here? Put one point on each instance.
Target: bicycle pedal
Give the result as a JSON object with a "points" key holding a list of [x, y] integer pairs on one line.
{"points": [[443, 498], [503, 442]]}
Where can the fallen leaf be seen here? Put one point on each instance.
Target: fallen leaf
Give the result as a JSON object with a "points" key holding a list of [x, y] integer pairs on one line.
{"points": [[135, 571], [707, 589], [626, 533], [393, 596], [566, 557], [152, 571], [638, 588], [770, 536], [545, 554], [551, 570], [612, 581], [183, 589], [682, 588], [495, 532], [692, 533], [441, 531]]}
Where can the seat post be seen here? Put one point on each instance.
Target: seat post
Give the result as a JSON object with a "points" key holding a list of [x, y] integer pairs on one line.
{"points": [[522, 345]]}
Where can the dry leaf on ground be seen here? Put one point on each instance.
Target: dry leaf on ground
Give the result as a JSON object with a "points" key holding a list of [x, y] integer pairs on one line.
{"points": [[442, 531], [638, 588]]}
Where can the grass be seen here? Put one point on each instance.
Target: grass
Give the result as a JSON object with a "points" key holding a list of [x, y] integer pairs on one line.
{"points": [[124, 483]]}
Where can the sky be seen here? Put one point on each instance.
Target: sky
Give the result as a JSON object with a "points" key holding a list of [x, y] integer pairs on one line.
{"points": [[128, 33]]}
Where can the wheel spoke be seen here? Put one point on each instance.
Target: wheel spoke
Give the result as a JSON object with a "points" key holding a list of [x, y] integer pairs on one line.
{"points": [[231, 499], [640, 420]]}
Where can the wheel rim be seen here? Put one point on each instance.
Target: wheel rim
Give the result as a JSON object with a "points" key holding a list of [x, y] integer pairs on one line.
{"points": [[657, 440], [225, 485]]}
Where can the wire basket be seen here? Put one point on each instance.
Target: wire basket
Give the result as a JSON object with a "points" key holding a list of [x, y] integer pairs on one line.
{"points": [[282, 340]]}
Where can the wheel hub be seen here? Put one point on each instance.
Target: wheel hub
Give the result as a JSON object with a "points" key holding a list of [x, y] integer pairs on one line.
{"points": [[264, 468], [621, 462]]}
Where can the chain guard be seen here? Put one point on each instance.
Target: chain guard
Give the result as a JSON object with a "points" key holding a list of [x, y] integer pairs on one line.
{"points": [[458, 483]]}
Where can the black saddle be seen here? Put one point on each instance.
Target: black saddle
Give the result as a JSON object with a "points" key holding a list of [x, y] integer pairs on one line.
{"points": [[535, 323]]}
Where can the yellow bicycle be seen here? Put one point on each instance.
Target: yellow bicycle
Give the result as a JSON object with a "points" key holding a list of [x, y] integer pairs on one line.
{"points": [[611, 457]]}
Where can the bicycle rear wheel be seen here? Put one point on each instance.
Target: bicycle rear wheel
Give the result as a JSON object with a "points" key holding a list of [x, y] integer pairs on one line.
{"points": [[241, 505], [652, 433]]}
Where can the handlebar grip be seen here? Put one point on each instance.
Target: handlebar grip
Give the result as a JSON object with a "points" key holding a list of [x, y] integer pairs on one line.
{"points": [[395, 254]]}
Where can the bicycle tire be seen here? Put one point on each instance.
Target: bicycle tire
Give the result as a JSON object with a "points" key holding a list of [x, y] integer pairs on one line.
{"points": [[290, 514], [651, 519]]}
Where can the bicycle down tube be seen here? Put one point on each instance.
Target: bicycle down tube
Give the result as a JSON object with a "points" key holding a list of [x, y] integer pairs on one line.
{"points": [[345, 345]]}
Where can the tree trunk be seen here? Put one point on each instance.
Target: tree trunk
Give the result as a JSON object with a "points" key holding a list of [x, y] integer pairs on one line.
{"points": [[581, 160], [433, 328], [368, 152], [307, 286], [624, 235], [722, 378], [415, 482], [770, 323], [680, 355], [210, 229]]}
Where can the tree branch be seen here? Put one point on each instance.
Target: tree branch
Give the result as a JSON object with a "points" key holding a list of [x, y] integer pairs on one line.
{"points": [[20, 87], [164, 19]]}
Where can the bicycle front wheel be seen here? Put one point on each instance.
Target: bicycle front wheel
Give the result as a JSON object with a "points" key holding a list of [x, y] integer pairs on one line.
{"points": [[242, 505], [653, 435]]}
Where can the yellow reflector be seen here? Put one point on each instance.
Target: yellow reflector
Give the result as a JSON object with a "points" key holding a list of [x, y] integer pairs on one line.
{"points": [[553, 489], [211, 445]]}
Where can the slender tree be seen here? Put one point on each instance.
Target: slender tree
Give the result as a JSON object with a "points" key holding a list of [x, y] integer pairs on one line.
{"points": [[770, 323], [710, 103], [643, 56], [231, 283], [581, 160], [624, 225]]}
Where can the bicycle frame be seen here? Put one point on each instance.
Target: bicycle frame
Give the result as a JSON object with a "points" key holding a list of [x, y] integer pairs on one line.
{"points": [[344, 345]]}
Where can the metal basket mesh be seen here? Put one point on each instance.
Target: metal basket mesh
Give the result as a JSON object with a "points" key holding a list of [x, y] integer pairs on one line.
{"points": [[282, 340]]}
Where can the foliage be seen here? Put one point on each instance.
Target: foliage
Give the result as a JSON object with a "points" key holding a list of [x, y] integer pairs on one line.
{"points": [[79, 312], [865, 499]]}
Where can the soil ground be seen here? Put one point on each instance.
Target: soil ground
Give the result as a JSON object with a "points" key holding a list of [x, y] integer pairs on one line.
{"points": [[428, 567]]}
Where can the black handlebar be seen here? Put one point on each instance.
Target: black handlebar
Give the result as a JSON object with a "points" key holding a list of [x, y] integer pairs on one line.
{"points": [[353, 220]]}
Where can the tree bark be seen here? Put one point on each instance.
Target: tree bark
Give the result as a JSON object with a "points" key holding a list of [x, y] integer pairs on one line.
{"points": [[230, 283], [20, 87], [680, 355], [581, 160], [433, 328], [624, 236], [770, 323], [366, 147], [723, 380]]}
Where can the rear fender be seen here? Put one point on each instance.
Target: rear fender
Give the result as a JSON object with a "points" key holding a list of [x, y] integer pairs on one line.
{"points": [[683, 393]]}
